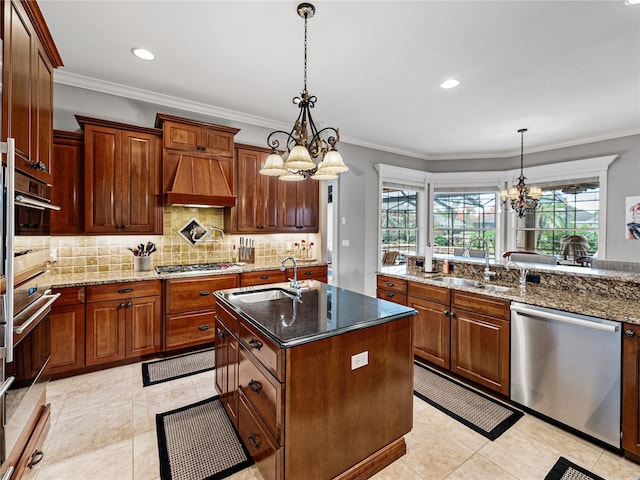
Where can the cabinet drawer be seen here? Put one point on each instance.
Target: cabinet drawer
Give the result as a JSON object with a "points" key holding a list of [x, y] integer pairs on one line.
{"points": [[33, 452], [309, 273], [193, 294], [262, 277], [429, 292], [263, 449], [494, 307], [265, 351], [390, 283], [189, 329], [392, 296], [69, 296], [262, 392], [115, 291]]}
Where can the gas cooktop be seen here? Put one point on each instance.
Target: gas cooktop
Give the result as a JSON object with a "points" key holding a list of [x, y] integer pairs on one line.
{"points": [[194, 267]]}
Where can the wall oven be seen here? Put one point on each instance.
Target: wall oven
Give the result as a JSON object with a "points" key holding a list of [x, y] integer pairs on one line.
{"points": [[25, 329]]}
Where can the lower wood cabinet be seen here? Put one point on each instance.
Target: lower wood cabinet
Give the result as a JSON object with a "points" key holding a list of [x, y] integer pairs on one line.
{"points": [[391, 289], [319, 272], [67, 330], [123, 320], [631, 391], [226, 358], [262, 277]]}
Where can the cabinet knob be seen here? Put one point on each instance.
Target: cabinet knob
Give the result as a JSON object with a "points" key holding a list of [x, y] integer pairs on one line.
{"points": [[255, 344], [390, 294], [446, 312], [122, 305], [629, 333], [129, 304], [222, 333], [254, 386]]}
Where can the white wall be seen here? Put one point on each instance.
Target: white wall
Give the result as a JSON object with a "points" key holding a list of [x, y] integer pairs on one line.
{"points": [[357, 190]]}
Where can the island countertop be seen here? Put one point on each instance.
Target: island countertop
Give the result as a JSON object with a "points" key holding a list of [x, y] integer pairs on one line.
{"points": [[321, 312]]}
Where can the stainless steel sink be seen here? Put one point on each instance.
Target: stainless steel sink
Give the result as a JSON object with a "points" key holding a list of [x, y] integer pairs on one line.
{"points": [[265, 295], [466, 282]]}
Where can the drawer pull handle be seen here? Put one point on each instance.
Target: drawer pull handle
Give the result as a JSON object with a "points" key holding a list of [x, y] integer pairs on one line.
{"points": [[204, 293], [125, 290], [256, 344], [254, 442], [204, 328], [254, 386], [308, 273], [264, 277], [391, 295], [36, 458], [391, 284]]}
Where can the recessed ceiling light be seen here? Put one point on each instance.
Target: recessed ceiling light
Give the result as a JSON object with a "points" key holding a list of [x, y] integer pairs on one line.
{"points": [[143, 53], [451, 83], [632, 2]]}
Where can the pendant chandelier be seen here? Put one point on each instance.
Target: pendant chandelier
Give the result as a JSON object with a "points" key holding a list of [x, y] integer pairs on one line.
{"points": [[305, 142], [522, 198]]}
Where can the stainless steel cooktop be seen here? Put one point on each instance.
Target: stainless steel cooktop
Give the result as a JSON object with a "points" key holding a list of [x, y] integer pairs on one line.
{"points": [[194, 267]]}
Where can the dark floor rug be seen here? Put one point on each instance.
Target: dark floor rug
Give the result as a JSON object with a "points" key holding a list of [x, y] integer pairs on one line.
{"points": [[179, 366], [198, 442], [480, 412], [566, 470]]}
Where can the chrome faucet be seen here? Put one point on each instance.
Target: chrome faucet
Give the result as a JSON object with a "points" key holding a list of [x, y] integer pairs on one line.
{"points": [[297, 286], [487, 272], [523, 272]]}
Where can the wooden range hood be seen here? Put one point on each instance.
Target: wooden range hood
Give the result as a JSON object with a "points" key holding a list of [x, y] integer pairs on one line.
{"points": [[202, 181]]}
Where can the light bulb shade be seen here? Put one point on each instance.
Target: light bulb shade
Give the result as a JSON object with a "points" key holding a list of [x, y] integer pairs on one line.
{"points": [[514, 193], [535, 192], [504, 194], [291, 177], [323, 174], [299, 159], [273, 165], [332, 163]]}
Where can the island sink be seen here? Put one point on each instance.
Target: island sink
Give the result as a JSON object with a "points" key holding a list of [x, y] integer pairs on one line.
{"points": [[263, 295]]}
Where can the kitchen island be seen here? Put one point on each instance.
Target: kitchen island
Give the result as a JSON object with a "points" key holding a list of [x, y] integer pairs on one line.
{"points": [[319, 385]]}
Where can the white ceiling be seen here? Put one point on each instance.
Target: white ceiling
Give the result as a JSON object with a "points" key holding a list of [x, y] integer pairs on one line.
{"points": [[569, 71]]}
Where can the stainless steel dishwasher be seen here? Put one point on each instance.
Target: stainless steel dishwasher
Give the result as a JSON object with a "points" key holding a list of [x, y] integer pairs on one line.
{"points": [[568, 367]]}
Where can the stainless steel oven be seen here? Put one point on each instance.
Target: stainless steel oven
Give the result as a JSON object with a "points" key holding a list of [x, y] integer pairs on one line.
{"points": [[25, 329]]}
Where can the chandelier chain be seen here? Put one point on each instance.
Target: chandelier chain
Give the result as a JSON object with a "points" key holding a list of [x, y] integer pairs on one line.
{"points": [[305, 51]]}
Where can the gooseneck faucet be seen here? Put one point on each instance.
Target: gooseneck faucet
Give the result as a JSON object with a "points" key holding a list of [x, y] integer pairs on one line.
{"points": [[523, 272], [294, 281], [487, 272]]}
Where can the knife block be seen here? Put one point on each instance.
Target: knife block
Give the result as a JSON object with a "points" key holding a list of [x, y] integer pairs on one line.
{"points": [[247, 255]]}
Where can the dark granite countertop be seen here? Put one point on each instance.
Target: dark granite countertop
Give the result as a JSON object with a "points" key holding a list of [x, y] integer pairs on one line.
{"points": [[324, 311]]}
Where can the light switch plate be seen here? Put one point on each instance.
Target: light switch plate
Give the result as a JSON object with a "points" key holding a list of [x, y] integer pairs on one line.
{"points": [[359, 360]]}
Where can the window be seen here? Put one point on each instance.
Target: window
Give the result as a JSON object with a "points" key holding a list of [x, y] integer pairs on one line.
{"points": [[399, 226], [460, 217], [564, 210]]}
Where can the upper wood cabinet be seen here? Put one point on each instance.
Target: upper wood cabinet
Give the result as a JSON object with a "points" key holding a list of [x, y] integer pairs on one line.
{"points": [[298, 206], [68, 183], [256, 209], [29, 57], [194, 138], [122, 178]]}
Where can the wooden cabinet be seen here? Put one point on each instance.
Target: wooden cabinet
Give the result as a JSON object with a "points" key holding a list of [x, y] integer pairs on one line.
{"points": [[198, 137], [226, 358], [67, 330], [29, 58], [190, 309], [299, 206], [391, 289], [631, 391], [480, 339], [68, 183], [262, 277], [122, 178], [256, 209], [318, 272], [123, 320], [33, 452], [432, 325]]}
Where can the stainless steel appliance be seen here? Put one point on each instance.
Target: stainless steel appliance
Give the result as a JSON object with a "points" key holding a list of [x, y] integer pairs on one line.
{"points": [[567, 367], [195, 268], [25, 328]]}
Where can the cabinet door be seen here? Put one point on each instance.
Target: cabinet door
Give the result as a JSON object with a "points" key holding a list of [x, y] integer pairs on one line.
{"points": [[143, 326], [220, 352], [178, 136], [257, 204], [215, 142], [42, 116], [67, 338], [431, 331], [298, 206], [104, 180], [227, 370], [139, 190], [480, 349], [631, 389], [68, 184], [105, 332]]}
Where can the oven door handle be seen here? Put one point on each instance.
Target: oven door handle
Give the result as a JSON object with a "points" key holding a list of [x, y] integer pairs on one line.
{"points": [[41, 311], [8, 474], [30, 202], [9, 147], [6, 385]]}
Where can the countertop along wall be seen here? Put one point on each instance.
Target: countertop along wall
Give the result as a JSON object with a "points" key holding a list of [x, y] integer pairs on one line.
{"points": [[356, 193]]}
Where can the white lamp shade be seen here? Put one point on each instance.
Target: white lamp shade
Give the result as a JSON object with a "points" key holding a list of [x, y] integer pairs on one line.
{"points": [[299, 159], [291, 177], [322, 174], [273, 166], [332, 163], [535, 192]]}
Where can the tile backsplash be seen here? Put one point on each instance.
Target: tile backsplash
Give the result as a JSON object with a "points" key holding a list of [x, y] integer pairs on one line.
{"points": [[92, 254]]}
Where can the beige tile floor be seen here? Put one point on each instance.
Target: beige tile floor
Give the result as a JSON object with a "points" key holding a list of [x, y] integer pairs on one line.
{"points": [[103, 427]]}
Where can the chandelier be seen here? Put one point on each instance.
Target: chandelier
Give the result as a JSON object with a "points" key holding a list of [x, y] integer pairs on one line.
{"points": [[305, 142], [522, 199]]}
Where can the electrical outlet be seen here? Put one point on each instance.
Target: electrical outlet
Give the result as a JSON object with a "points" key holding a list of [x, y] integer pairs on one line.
{"points": [[419, 263], [53, 255], [359, 360], [533, 278]]}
